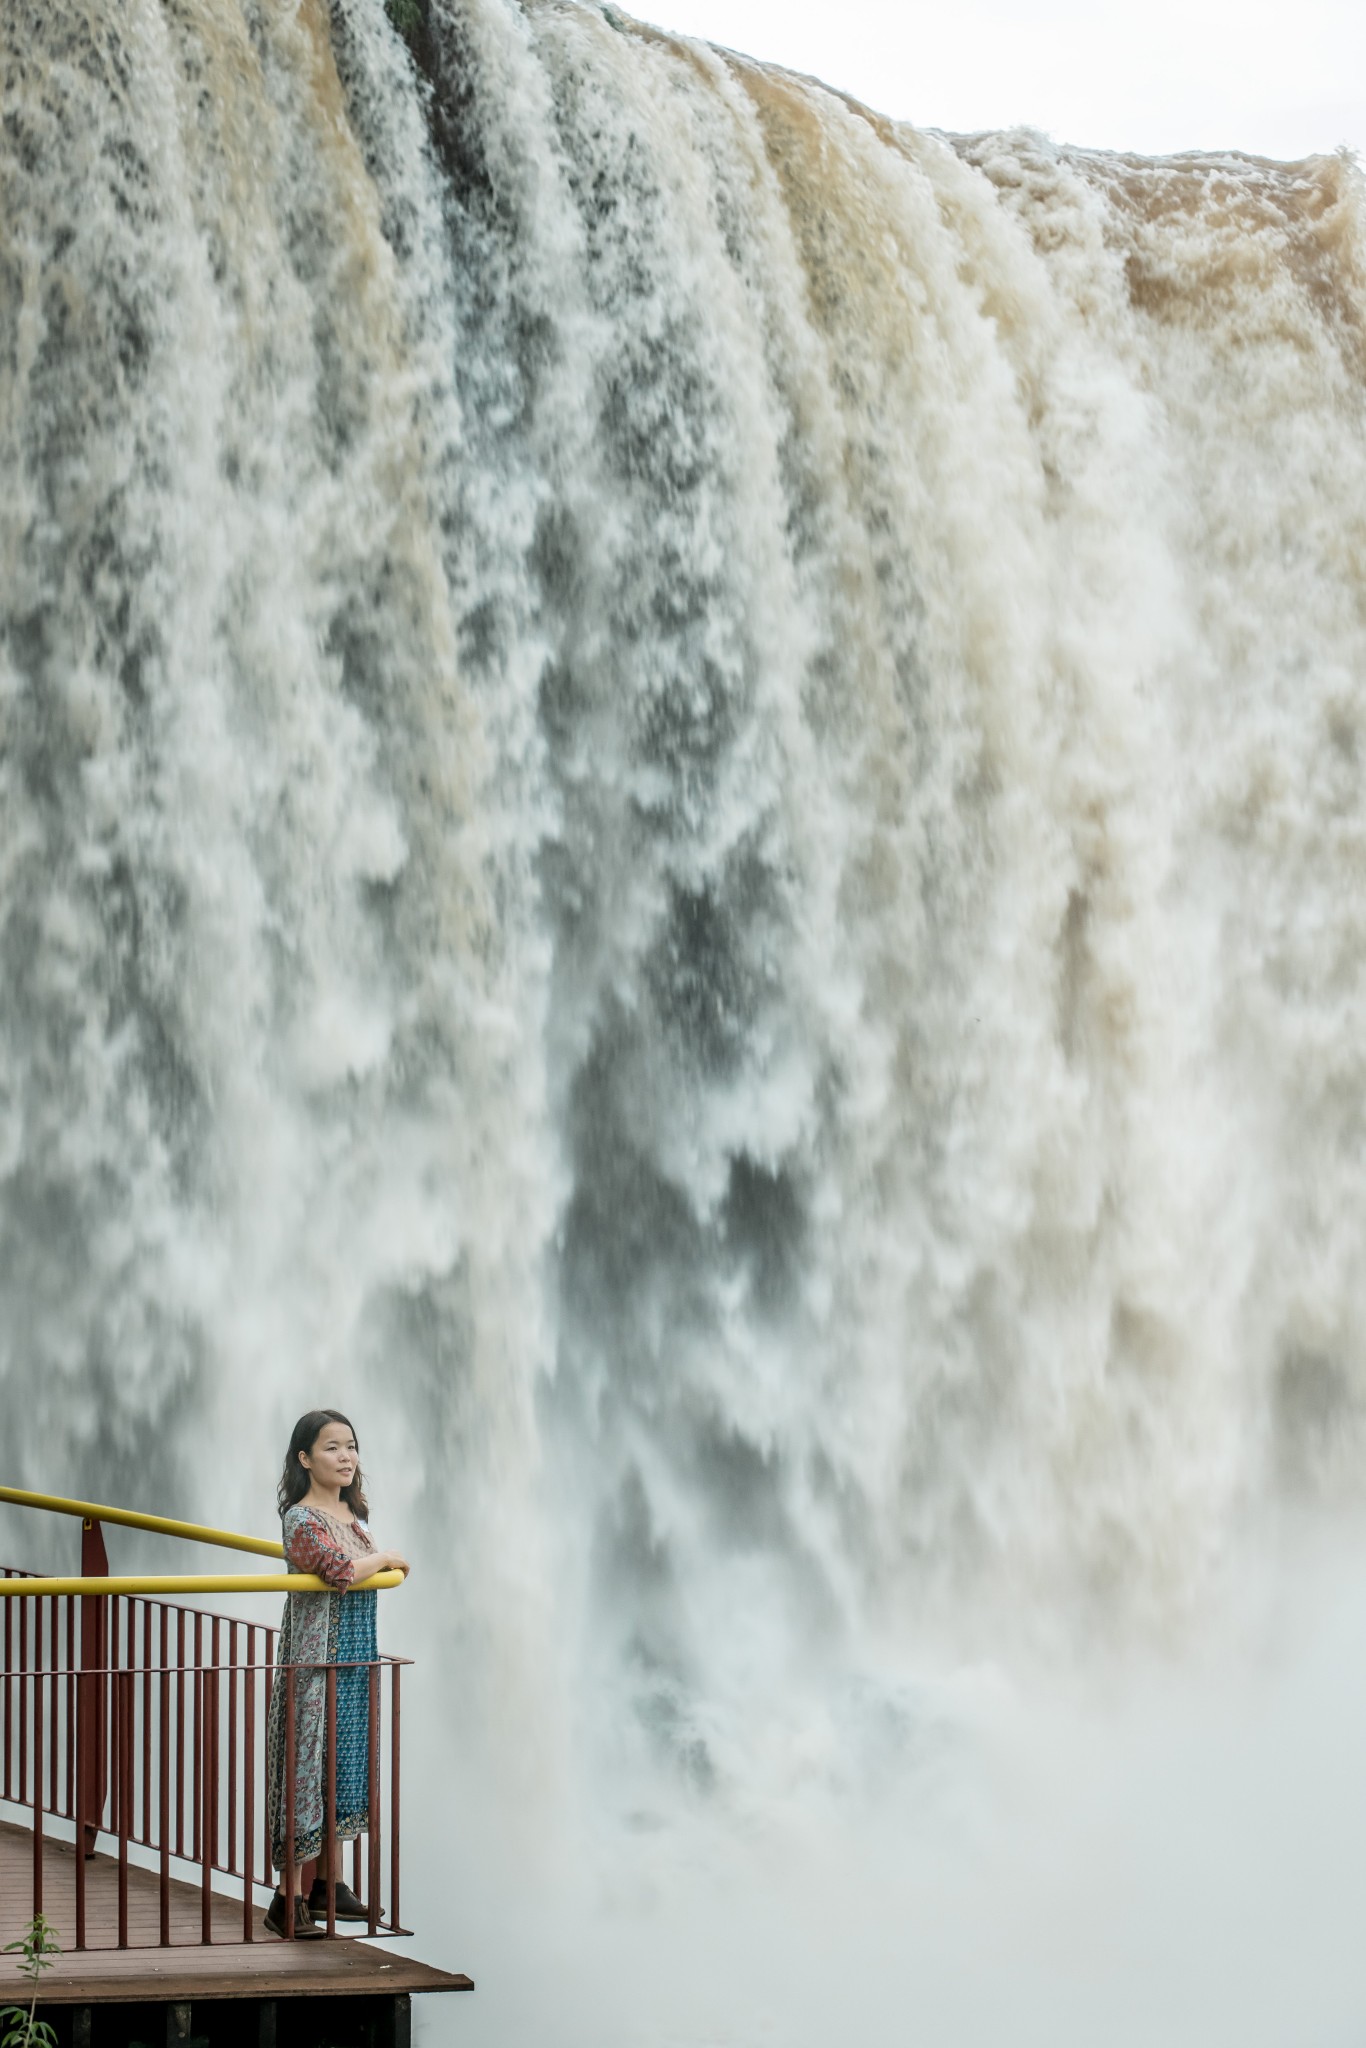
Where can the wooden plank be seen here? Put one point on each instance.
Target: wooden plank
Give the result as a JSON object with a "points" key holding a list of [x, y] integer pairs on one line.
{"points": [[101, 1881], [312, 1969], [229, 1968]]}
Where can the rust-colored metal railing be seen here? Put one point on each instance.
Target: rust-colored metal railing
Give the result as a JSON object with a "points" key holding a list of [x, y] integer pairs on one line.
{"points": [[147, 1720]]}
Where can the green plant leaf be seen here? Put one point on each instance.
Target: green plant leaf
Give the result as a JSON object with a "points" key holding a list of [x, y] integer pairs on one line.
{"points": [[38, 1947]]}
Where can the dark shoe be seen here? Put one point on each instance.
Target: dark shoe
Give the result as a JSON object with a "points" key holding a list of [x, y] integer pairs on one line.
{"points": [[304, 1929], [348, 1905]]}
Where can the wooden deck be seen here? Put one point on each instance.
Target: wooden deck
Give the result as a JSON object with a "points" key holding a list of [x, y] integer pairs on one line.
{"points": [[230, 1968]]}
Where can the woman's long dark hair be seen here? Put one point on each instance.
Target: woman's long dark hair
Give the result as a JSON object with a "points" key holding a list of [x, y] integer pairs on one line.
{"points": [[295, 1480]]}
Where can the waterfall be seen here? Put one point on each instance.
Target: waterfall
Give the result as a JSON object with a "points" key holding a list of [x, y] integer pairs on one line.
{"points": [[681, 812]]}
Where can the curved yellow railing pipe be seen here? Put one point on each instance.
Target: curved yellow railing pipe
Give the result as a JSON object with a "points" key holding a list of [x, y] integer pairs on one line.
{"points": [[191, 1532], [167, 1582]]}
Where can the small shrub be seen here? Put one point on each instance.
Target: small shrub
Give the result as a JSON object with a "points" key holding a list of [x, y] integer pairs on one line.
{"points": [[39, 1949]]}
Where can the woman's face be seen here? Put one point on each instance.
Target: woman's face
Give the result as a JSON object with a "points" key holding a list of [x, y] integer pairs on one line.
{"points": [[333, 1458]]}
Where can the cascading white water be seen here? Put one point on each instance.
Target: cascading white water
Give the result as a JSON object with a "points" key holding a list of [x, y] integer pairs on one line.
{"points": [[681, 811]]}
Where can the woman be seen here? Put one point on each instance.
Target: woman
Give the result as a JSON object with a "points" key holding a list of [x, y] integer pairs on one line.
{"points": [[324, 1512]]}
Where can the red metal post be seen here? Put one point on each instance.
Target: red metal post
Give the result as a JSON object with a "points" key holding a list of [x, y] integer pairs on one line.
{"points": [[164, 1807], [54, 1745], [146, 1836], [232, 1747], [197, 1809], [81, 1837], [209, 1782], [9, 1690], [115, 1786], [37, 1792], [182, 1623], [92, 1689], [266, 1690], [69, 1810], [372, 1799], [395, 1920], [23, 1703], [330, 1797], [123, 1797], [248, 1788], [291, 1764], [212, 1745]]}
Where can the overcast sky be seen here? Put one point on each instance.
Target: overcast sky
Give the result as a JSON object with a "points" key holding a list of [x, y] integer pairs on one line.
{"points": [[1278, 79]]}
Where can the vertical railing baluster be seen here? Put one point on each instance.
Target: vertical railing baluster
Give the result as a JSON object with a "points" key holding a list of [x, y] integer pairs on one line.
{"points": [[114, 1748], [94, 1685], [54, 1748], [268, 1687], [147, 1724], [232, 1748], [394, 1733], [291, 1762], [37, 1789], [23, 1702], [212, 1761], [248, 1787], [372, 1794], [82, 1793], [182, 1623], [71, 1750], [164, 1823], [330, 1796], [197, 1808], [124, 1793], [9, 1691], [209, 1782]]}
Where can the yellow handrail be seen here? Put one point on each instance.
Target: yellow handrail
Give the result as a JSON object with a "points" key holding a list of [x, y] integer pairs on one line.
{"points": [[227, 1582], [191, 1532], [127, 1518]]}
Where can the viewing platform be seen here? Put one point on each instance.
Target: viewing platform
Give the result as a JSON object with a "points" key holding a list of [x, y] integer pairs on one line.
{"points": [[137, 1727]]}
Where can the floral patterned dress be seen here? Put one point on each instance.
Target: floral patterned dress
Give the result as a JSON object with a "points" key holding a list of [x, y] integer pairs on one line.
{"points": [[320, 1629]]}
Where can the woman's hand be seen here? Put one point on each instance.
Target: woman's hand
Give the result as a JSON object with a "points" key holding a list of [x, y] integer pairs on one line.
{"points": [[376, 1562]]}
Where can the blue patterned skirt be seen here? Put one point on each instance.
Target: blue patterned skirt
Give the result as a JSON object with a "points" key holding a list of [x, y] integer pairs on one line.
{"points": [[321, 1629]]}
